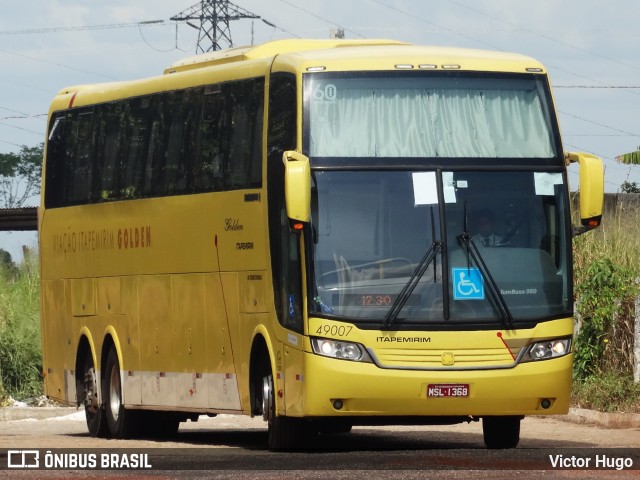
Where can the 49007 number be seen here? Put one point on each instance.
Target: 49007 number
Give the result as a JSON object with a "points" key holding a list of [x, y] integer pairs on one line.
{"points": [[334, 330]]}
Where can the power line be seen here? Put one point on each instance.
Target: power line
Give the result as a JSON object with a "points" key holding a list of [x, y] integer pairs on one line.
{"points": [[619, 87], [594, 135], [36, 59], [27, 85], [547, 37], [20, 117], [30, 31], [315, 15], [21, 128], [495, 47], [22, 114], [599, 124], [157, 49], [276, 27], [428, 22], [10, 143]]}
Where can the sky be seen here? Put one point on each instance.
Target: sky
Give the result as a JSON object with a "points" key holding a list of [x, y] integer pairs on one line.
{"points": [[591, 49]]}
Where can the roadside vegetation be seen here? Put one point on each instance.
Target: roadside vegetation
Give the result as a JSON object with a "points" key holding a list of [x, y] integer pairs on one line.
{"points": [[607, 283], [20, 348]]}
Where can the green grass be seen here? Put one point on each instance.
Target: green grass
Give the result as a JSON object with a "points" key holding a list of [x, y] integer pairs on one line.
{"points": [[20, 347], [607, 281], [618, 238], [607, 392]]}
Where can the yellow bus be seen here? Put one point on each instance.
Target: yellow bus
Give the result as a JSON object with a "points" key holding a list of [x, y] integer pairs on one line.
{"points": [[322, 233]]}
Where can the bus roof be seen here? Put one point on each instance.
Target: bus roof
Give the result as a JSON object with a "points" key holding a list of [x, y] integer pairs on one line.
{"points": [[363, 54], [265, 50]]}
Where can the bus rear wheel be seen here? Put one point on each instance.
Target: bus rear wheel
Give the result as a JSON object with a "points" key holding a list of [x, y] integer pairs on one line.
{"points": [[285, 433], [94, 411], [501, 432], [122, 423]]}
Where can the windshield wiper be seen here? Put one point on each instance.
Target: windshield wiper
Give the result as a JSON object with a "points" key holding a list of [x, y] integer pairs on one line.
{"points": [[407, 290], [464, 240]]}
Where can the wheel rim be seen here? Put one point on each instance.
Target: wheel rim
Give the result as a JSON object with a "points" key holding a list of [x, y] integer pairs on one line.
{"points": [[91, 389], [114, 393], [267, 398]]}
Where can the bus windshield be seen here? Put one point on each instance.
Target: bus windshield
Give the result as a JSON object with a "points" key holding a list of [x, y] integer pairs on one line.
{"points": [[372, 228], [429, 114]]}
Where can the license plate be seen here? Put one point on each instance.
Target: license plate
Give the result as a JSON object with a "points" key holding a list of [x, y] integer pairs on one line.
{"points": [[447, 390]]}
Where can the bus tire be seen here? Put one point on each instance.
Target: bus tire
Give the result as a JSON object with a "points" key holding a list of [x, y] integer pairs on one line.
{"points": [[94, 411], [121, 422], [285, 433], [501, 432]]}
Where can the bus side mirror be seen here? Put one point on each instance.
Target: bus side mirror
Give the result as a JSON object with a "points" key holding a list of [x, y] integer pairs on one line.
{"points": [[591, 190], [297, 186]]}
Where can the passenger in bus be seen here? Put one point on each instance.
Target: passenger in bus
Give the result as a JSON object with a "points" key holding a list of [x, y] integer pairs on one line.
{"points": [[486, 236]]}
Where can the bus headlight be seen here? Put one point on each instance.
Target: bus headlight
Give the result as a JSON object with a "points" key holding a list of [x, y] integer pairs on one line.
{"points": [[340, 349], [547, 349]]}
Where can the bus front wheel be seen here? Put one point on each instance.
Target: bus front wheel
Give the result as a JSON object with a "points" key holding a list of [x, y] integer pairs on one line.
{"points": [[285, 433], [501, 432]]}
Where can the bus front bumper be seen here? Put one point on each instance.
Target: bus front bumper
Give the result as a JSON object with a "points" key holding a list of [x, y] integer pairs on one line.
{"points": [[364, 389]]}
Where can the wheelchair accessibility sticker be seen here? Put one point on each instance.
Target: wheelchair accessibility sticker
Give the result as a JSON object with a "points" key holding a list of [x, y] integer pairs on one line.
{"points": [[467, 284]]}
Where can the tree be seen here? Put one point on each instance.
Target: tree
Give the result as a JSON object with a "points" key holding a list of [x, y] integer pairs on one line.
{"points": [[20, 175], [632, 158], [630, 187]]}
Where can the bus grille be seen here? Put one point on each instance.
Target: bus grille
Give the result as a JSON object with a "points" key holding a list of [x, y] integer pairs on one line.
{"points": [[445, 359]]}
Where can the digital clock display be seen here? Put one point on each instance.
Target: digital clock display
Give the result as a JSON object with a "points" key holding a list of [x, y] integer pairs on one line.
{"points": [[373, 299], [376, 300]]}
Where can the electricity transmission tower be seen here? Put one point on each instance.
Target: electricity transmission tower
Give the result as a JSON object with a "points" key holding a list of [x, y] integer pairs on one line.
{"points": [[214, 17]]}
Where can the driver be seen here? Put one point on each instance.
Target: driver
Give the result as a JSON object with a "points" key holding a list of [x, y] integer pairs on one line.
{"points": [[486, 236]]}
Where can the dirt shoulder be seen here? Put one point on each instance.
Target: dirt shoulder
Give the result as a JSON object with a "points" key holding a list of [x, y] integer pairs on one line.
{"points": [[57, 427]]}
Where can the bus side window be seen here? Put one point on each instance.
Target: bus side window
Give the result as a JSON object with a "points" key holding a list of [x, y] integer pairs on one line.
{"points": [[109, 147], [194, 140], [245, 140], [80, 159], [192, 121], [231, 135], [213, 134], [55, 180], [164, 150], [171, 180], [155, 155], [136, 129]]}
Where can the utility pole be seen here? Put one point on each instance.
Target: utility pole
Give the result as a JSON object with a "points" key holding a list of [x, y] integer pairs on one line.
{"points": [[214, 17]]}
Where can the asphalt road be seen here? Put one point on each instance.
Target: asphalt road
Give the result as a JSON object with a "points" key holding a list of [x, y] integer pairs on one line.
{"points": [[235, 447]]}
